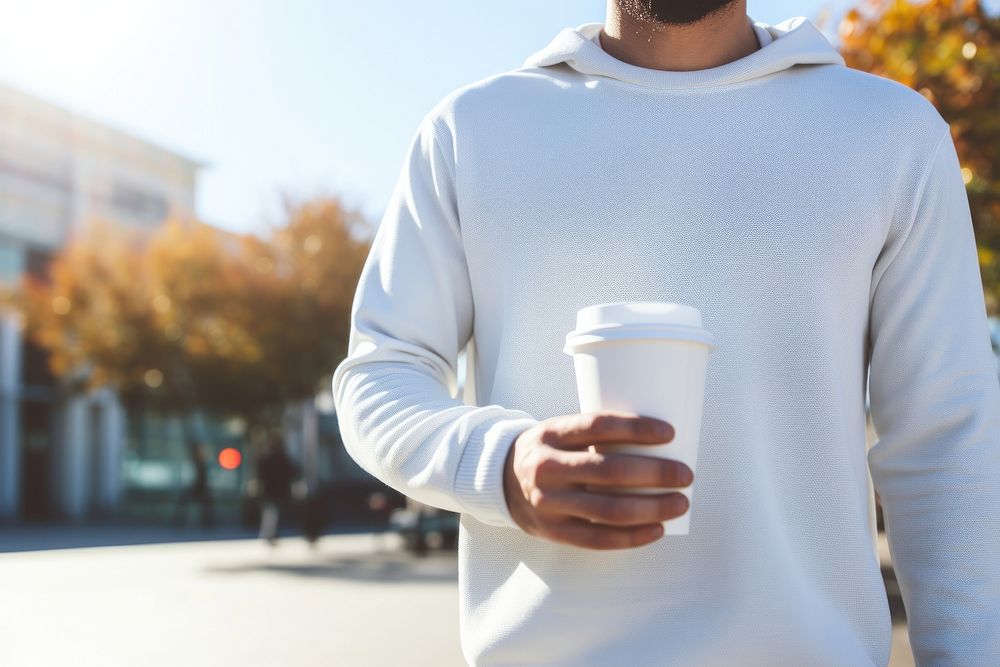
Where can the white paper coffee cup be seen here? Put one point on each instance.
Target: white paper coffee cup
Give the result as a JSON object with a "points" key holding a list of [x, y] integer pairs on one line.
{"points": [[649, 358]]}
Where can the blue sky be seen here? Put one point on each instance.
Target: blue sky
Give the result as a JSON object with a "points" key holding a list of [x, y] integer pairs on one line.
{"points": [[302, 96]]}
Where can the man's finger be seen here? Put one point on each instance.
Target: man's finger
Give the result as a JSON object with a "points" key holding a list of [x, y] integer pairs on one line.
{"points": [[581, 430], [611, 509], [582, 533], [609, 469]]}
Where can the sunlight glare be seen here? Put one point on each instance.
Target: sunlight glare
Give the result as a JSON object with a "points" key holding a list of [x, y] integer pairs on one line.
{"points": [[65, 39]]}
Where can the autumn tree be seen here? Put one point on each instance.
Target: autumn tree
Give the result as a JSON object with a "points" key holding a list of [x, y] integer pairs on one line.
{"points": [[192, 317], [95, 314], [195, 278], [949, 51], [305, 272], [292, 291]]}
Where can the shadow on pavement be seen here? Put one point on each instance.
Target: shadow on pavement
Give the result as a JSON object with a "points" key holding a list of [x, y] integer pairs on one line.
{"points": [[44, 537], [376, 567]]}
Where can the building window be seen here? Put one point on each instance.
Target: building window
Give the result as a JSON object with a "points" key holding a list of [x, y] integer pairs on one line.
{"points": [[136, 203], [37, 263], [11, 263]]}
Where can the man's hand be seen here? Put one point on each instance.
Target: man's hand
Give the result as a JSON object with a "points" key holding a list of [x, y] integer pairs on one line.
{"points": [[549, 465]]}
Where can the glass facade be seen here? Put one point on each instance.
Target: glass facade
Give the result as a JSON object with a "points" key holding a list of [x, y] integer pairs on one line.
{"points": [[159, 472], [11, 262], [159, 467]]}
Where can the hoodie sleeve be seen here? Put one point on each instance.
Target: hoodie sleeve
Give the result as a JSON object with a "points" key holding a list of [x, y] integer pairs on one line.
{"points": [[412, 315], [935, 406]]}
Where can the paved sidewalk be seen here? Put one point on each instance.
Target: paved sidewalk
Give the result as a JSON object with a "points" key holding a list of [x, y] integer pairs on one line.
{"points": [[233, 602]]}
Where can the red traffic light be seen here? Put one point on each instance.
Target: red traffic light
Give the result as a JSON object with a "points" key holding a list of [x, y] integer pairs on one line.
{"points": [[230, 458]]}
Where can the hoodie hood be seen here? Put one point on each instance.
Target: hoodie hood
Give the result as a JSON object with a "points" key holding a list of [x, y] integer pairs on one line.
{"points": [[794, 41]]}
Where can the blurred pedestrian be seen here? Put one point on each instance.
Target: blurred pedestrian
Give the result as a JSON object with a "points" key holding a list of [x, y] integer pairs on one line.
{"points": [[378, 505], [275, 473], [313, 514], [198, 492]]}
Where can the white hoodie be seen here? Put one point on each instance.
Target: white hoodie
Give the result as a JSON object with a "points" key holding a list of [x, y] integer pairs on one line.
{"points": [[817, 217]]}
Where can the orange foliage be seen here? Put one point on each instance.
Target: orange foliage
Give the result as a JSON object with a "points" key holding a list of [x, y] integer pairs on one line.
{"points": [[193, 316], [93, 315], [949, 51]]}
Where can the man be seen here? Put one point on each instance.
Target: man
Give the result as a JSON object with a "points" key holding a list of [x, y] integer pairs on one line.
{"points": [[199, 491], [275, 472], [817, 217]]}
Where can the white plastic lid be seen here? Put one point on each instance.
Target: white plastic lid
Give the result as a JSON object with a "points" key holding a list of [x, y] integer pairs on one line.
{"points": [[636, 312], [637, 320]]}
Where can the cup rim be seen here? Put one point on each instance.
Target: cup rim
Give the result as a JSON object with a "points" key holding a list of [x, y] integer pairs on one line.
{"points": [[575, 340]]}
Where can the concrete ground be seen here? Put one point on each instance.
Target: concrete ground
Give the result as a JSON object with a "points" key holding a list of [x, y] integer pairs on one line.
{"points": [[354, 600], [234, 602]]}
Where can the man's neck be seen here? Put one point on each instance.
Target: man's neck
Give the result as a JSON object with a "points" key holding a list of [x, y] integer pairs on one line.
{"points": [[717, 39]]}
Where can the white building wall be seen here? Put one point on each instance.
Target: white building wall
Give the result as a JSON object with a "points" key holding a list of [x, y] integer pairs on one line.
{"points": [[87, 456], [110, 450], [69, 460]]}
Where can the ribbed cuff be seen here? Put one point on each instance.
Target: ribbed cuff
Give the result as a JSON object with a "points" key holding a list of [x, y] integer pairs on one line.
{"points": [[479, 480]]}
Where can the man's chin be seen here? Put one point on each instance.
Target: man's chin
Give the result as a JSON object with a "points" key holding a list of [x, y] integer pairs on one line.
{"points": [[675, 13]]}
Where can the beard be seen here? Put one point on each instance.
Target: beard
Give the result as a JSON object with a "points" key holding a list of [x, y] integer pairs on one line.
{"points": [[673, 12]]}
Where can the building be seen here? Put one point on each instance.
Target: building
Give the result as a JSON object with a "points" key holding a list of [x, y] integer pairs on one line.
{"points": [[58, 170], [77, 457]]}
